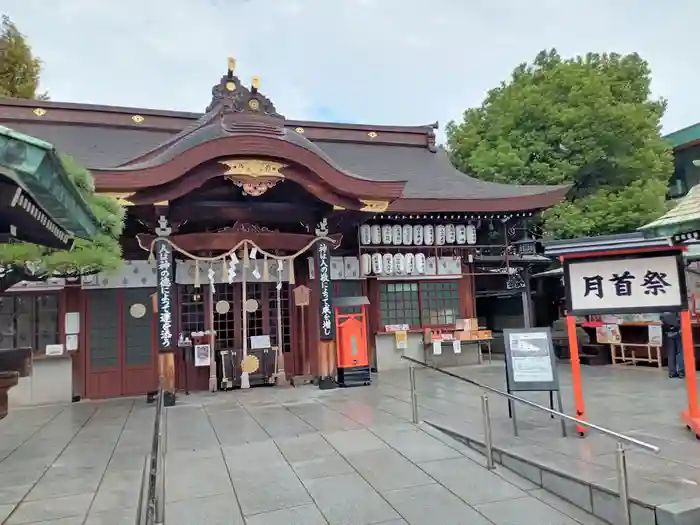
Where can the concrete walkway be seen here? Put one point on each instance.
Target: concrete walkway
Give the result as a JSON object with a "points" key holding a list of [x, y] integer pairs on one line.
{"points": [[265, 456]]}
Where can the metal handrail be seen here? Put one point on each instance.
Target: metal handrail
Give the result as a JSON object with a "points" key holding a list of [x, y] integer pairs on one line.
{"points": [[151, 505], [605, 431], [621, 460]]}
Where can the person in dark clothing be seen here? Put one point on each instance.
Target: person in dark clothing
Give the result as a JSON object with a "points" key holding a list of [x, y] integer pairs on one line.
{"points": [[671, 327]]}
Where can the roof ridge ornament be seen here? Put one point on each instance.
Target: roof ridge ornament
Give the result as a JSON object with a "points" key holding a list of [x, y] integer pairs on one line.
{"points": [[230, 96]]}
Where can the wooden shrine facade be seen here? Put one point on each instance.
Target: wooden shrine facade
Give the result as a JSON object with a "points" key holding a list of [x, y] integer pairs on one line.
{"points": [[241, 172]]}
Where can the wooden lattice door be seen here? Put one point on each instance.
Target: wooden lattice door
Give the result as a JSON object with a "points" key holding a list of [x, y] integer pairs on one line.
{"points": [[261, 321]]}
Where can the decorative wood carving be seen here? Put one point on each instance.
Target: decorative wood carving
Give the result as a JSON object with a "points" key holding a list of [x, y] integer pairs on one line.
{"points": [[253, 176], [246, 227], [123, 198], [374, 206], [254, 168]]}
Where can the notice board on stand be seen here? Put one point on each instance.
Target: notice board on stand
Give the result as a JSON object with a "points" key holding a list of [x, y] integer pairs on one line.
{"points": [[531, 366]]}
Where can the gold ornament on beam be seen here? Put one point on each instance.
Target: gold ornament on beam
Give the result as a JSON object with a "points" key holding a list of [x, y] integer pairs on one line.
{"points": [[374, 206]]}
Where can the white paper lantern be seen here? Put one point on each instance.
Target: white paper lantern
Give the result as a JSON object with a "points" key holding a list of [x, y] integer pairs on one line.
{"points": [[365, 234], [461, 234], [396, 232], [410, 263], [377, 266], [420, 263], [388, 264], [440, 234], [399, 264], [428, 234], [366, 264], [450, 234], [376, 234], [471, 234], [407, 234], [386, 234], [418, 235]]}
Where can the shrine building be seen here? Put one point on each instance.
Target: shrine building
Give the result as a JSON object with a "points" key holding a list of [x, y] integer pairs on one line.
{"points": [[247, 200]]}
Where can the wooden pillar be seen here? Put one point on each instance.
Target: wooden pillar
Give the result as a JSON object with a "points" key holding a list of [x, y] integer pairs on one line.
{"points": [[467, 295]]}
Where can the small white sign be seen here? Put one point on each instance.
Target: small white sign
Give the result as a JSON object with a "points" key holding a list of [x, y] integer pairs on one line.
{"points": [[624, 284], [259, 342], [54, 349], [457, 346], [437, 347], [71, 342], [202, 355], [530, 357]]}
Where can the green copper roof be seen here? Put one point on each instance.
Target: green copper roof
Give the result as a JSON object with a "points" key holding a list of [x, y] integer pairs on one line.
{"points": [[683, 218], [35, 165], [684, 136]]}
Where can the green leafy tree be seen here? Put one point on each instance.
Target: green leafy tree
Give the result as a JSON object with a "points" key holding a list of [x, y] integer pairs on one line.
{"points": [[587, 121], [19, 68], [26, 261]]}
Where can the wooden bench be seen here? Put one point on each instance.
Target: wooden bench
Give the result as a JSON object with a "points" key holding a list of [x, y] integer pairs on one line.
{"points": [[628, 353]]}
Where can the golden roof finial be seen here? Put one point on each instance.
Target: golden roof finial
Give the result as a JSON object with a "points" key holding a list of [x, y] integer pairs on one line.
{"points": [[256, 82], [231, 64]]}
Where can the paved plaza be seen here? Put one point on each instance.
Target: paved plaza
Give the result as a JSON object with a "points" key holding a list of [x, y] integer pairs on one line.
{"points": [[258, 457], [637, 401], [349, 456]]}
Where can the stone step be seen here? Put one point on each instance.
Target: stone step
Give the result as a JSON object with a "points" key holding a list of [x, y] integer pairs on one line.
{"points": [[586, 495]]}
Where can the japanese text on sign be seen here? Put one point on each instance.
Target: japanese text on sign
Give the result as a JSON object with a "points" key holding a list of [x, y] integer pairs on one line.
{"points": [[325, 299], [643, 284], [164, 261]]}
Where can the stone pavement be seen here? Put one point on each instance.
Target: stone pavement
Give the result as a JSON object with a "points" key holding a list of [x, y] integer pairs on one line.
{"points": [[345, 457], [640, 402], [265, 456], [73, 465]]}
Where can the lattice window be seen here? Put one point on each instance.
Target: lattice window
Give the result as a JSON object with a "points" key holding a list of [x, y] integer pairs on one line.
{"points": [[256, 326], [225, 324], [272, 320], [439, 302], [399, 304], [192, 317], [29, 320], [348, 289]]}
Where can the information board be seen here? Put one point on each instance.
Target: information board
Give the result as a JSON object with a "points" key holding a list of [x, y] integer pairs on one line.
{"points": [[530, 360]]}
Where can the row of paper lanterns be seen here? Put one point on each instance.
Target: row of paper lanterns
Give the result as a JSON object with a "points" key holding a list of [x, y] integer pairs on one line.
{"points": [[418, 234], [396, 264]]}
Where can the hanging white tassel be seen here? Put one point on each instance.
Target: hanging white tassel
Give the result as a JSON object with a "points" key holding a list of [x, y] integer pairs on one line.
{"points": [[253, 252], [231, 275], [210, 275]]}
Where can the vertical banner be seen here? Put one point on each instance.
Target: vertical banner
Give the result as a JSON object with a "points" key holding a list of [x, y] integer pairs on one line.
{"points": [[164, 262], [325, 291]]}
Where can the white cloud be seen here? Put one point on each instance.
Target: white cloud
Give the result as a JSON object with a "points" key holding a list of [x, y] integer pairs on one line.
{"points": [[374, 61]]}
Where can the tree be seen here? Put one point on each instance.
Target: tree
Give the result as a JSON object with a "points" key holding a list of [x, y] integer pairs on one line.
{"points": [[19, 68], [587, 121], [26, 261]]}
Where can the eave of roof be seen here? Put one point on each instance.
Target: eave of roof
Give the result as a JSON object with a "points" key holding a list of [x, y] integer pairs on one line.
{"points": [[685, 137], [682, 218], [384, 153]]}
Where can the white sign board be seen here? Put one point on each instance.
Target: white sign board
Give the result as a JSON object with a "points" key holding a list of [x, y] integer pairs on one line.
{"points": [[530, 360], [530, 357], [202, 355], [639, 284]]}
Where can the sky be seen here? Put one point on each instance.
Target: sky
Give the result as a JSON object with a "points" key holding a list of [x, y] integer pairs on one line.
{"points": [[402, 62]]}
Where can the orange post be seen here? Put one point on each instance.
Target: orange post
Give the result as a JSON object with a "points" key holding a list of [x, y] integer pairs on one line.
{"points": [[576, 373], [691, 417]]}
